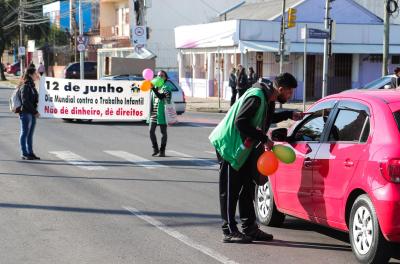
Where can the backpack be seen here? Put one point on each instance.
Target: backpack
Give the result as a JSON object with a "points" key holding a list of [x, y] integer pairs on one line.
{"points": [[15, 101]]}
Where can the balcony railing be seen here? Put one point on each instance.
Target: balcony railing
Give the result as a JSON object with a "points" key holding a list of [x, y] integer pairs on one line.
{"points": [[115, 32]]}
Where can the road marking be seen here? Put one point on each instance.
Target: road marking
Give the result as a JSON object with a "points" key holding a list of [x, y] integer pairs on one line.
{"points": [[183, 156], [77, 160], [179, 236], [137, 160], [210, 152]]}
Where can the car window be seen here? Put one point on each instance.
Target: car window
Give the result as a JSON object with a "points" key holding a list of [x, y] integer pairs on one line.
{"points": [[312, 127], [379, 83], [351, 126], [173, 86], [397, 118], [74, 67]]}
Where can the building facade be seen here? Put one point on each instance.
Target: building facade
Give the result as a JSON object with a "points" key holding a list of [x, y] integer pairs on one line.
{"points": [[209, 51]]}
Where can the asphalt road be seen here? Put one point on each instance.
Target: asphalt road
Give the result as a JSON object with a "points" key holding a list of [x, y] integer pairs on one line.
{"points": [[97, 196]]}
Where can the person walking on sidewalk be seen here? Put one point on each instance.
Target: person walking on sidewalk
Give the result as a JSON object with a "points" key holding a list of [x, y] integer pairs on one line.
{"points": [[41, 69], [248, 120], [252, 79], [28, 113], [232, 84], [159, 97], [242, 82]]}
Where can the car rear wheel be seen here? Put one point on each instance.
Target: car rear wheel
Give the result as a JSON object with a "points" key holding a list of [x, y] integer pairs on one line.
{"points": [[266, 210], [367, 241]]}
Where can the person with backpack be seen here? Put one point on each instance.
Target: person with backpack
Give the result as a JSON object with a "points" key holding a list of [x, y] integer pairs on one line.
{"points": [[28, 113]]}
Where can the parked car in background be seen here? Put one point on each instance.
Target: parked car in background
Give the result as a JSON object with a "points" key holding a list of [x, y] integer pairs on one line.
{"points": [[178, 96], [72, 70], [381, 83], [347, 171], [14, 68]]}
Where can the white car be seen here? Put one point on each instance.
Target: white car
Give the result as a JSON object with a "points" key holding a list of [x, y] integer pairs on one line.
{"points": [[381, 83]]}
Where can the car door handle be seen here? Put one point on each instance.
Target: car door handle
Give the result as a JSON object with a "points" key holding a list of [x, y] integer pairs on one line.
{"points": [[348, 163], [308, 162]]}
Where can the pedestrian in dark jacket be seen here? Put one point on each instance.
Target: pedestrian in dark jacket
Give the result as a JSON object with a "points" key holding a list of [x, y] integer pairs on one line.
{"points": [[159, 97], [232, 84], [28, 114], [395, 82], [252, 77], [242, 83], [247, 120]]}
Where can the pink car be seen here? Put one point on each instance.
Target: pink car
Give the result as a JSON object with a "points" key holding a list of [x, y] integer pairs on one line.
{"points": [[347, 171]]}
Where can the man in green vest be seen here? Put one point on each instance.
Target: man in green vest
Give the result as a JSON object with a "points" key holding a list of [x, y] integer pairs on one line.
{"points": [[244, 126]]}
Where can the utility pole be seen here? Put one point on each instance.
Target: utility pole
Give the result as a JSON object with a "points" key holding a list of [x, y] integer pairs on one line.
{"points": [[21, 41], [71, 30], [326, 59], [282, 38], [386, 31], [82, 53]]}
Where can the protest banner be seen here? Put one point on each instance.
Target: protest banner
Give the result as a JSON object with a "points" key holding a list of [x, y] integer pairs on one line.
{"points": [[92, 99]]}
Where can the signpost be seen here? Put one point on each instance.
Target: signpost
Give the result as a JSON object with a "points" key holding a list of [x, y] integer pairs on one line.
{"points": [[312, 33]]}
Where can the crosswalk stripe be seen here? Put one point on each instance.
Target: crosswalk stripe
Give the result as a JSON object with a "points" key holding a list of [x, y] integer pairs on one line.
{"points": [[183, 156], [77, 160], [210, 152], [137, 160]]}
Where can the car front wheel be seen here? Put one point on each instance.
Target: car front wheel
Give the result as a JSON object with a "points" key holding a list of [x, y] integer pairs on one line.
{"points": [[367, 241], [266, 210]]}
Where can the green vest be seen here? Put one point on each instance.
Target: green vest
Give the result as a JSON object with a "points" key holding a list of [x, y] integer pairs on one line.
{"points": [[161, 104], [226, 137]]}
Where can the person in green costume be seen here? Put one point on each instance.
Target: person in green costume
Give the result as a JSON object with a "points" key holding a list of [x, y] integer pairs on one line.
{"points": [[234, 138], [159, 97]]}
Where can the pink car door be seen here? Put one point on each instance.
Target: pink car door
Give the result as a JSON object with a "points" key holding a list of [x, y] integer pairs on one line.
{"points": [[294, 182], [337, 158]]}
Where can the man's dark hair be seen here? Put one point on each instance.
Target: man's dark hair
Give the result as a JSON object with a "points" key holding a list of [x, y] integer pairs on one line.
{"points": [[397, 70], [285, 80]]}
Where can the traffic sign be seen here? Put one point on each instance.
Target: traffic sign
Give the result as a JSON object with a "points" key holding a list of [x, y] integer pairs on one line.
{"points": [[21, 51], [139, 35], [81, 47], [314, 33]]}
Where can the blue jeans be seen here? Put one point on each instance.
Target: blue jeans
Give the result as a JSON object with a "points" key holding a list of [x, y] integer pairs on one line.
{"points": [[28, 123]]}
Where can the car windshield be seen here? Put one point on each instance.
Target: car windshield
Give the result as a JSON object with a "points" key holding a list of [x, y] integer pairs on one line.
{"points": [[379, 83]]}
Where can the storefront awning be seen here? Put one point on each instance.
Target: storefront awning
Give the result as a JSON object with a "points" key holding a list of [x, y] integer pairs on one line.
{"points": [[267, 46]]}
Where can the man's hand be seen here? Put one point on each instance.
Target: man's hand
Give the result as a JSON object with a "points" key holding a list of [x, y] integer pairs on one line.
{"points": [[297, 116], [269, 144]]}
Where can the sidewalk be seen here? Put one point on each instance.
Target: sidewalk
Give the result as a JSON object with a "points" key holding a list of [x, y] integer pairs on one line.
{"points": [[11, 82], [213, 105]]}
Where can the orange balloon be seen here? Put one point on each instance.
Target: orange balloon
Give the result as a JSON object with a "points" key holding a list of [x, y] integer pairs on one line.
{"points": [[145, 86], [267, 163]]}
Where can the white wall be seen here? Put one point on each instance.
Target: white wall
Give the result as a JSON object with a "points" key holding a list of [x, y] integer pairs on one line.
{"points": [[165, 15]]}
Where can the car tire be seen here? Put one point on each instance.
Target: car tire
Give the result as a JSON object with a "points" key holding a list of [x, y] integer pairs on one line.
{"points": [[68, 120], [366, 239], [265, 207]]}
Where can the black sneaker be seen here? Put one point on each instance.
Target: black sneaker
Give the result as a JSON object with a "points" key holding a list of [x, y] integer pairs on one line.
{"points": [[259, 235], [162, 153], [35, 157], [236, 237], [155, 152], [27, 157]]}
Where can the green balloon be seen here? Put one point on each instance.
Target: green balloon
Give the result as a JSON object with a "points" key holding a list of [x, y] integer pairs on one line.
{"points": [[157, 82], [284, 153]]}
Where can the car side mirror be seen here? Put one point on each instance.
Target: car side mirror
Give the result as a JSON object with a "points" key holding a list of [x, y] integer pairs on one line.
{"points": [[387, 86], [303, 148], [279, 134]]}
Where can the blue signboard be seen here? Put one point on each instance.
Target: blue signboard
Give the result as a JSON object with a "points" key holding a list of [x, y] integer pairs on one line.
{"points": [[314, 33]]}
